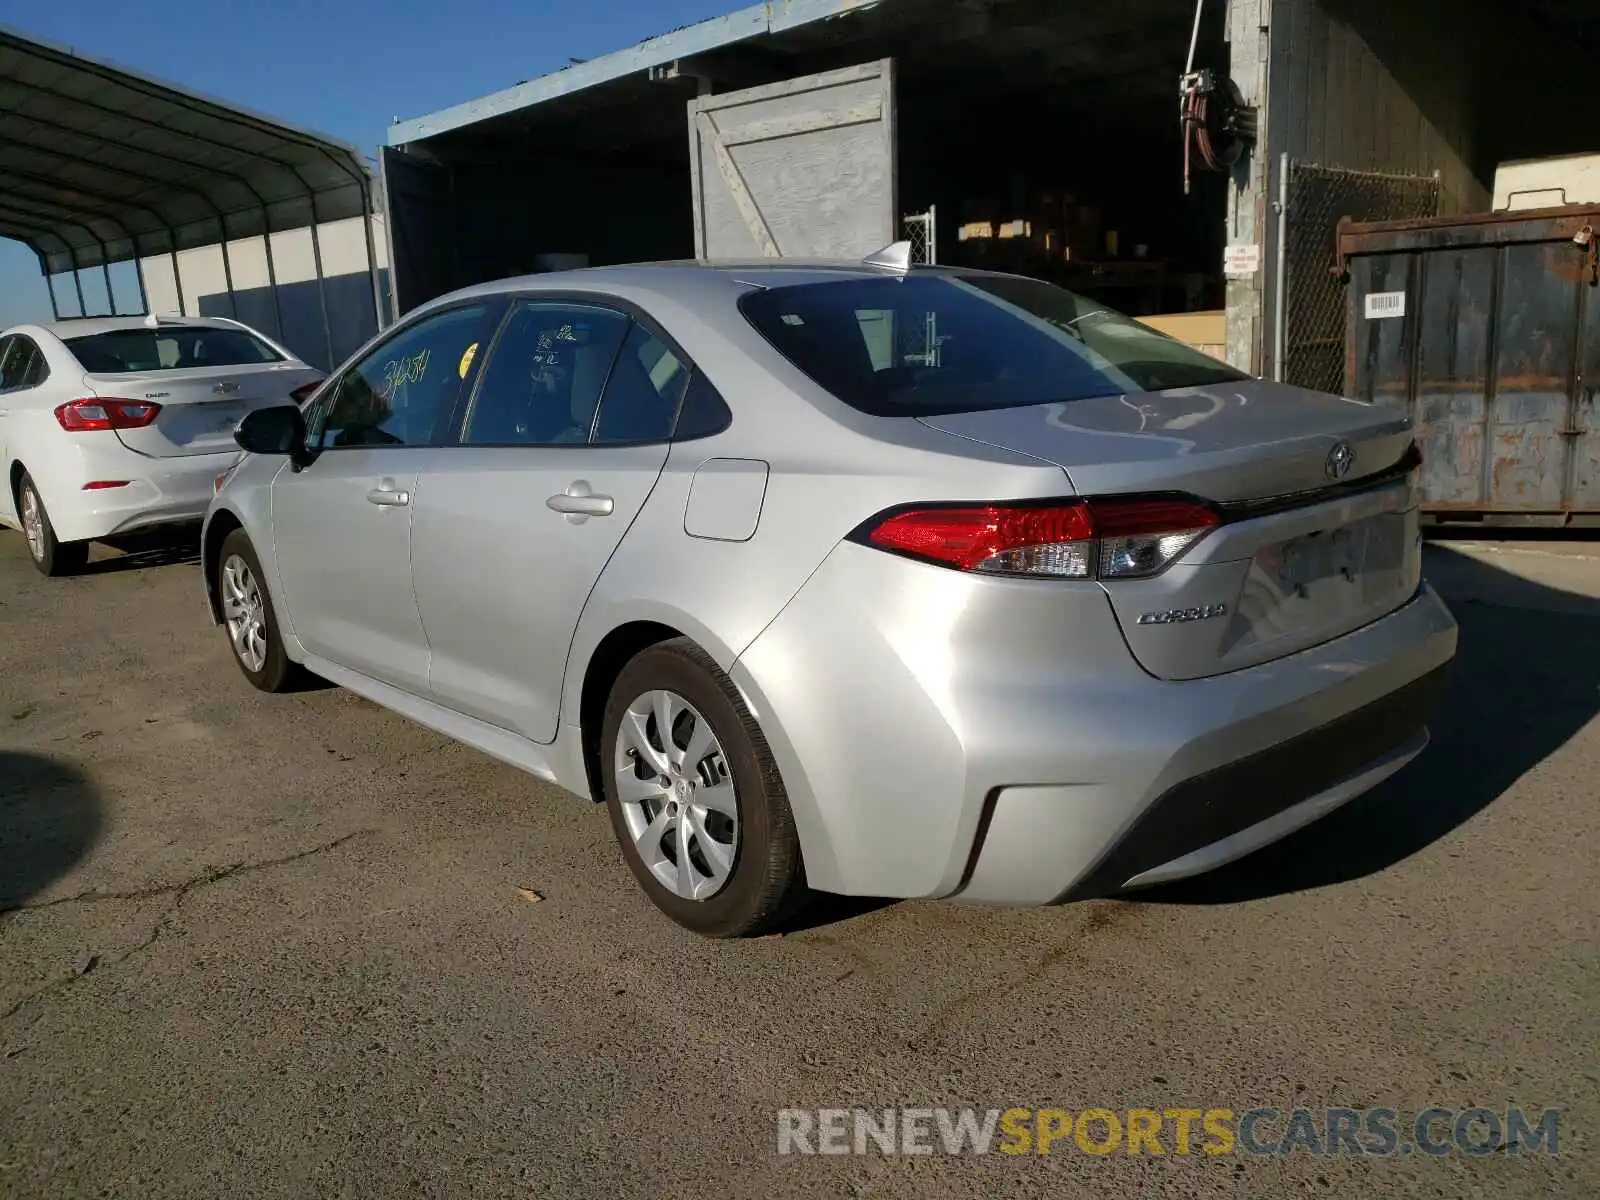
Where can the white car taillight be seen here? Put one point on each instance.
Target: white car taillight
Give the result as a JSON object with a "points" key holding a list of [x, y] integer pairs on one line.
{"points": [[1082, 539], [106, 412]]}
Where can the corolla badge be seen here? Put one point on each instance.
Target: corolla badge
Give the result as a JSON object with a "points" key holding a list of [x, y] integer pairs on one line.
{"points": [[1340, 459], [1182, 616]]}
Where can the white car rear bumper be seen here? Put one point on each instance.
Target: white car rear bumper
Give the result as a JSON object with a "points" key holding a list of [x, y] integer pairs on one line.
{"points": [[157, 491]]}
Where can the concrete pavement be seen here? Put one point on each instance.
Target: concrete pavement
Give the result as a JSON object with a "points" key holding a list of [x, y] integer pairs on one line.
{"points": [[275, 946]]}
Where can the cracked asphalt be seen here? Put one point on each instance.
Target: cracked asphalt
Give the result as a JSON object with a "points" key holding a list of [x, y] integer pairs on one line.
{"points": [[275, 946]]}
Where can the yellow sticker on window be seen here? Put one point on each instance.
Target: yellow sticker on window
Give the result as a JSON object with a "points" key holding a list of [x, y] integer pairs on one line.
{"points": [[466, 360]]}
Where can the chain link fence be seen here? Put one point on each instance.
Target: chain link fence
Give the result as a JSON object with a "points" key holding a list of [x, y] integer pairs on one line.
{"points": [[1314, 306], [919, 229]]}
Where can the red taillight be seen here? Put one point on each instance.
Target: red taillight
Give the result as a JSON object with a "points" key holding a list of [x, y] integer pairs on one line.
{"points": [[1033, 540], [303, 393], [106, 412], [1085, 539], [100, 485]]}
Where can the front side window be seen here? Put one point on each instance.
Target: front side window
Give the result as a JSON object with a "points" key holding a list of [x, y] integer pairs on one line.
{"points": [[921, 345], [178, 348], [543, 381], [398, 393]]}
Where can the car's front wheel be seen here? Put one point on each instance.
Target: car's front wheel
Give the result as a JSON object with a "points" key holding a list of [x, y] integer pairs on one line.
{"points": [[695, 798], [50, 555], [248, 616]]}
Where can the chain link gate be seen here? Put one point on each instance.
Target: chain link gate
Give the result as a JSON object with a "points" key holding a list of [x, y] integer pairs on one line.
{"points": [[922, 231], [1311, 333]]}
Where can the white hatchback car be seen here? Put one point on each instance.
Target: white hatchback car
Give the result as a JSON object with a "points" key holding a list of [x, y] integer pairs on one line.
{"points": [[115, 424]]}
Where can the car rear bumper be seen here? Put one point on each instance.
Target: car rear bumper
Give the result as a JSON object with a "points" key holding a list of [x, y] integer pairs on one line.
{"points": [[994, 741], [1212, 818], [158, 491]]}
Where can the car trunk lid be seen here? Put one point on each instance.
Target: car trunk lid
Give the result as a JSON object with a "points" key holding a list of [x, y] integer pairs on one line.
{"points": [[1320, 531], [200, 406]]}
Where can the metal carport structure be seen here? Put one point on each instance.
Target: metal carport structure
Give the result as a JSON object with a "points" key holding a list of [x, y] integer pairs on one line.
{"points": [[100, 165]]}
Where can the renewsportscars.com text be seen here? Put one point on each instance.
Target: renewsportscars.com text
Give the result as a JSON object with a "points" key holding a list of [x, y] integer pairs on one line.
{"points": [[1265, 1132]]}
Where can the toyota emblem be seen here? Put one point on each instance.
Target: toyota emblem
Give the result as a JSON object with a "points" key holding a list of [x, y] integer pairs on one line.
{"points": [[1340, 459]]}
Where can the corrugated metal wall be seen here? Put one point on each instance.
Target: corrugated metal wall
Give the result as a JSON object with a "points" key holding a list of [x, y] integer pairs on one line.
{"points": [[322, 318], [1379, 87]]}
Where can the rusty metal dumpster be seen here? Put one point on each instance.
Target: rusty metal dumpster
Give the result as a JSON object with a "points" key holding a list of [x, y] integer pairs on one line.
{"points": [[1487, 328]]}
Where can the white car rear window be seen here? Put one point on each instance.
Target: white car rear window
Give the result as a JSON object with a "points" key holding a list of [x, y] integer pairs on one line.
{"points": [[126, 351]]}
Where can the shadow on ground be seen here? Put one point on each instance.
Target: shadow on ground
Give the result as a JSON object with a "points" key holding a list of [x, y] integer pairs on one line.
{"points": [[1525, 681], [50, 818], [1518, 535], [825, 909], [159, 548]]}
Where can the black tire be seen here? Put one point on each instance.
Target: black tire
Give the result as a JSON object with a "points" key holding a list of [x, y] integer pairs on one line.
{"points": [[278, 673], [55, 557], [766, 883]]}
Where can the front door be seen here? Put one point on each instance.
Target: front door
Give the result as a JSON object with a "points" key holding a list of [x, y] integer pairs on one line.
{"points": [[515, 522], [342, 525]]}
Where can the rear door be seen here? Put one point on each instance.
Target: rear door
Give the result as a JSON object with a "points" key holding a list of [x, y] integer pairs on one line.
{"points": [[803, 168], [342, 525], [556, 454], [205, 378]]}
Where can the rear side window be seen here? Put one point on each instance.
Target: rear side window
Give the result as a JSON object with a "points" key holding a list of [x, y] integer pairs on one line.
{"points": [[193, 347], [643, 392], [544, 377], [22, 364], [920, 345], [703, 412]]}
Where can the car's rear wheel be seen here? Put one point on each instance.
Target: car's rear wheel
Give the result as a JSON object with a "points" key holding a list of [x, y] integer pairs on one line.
{"points": [[49, 554], [695, 798], [248, 616]]}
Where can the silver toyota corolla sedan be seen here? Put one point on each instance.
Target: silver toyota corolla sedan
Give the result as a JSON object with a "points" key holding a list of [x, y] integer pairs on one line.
{"points": [[848, 577]]}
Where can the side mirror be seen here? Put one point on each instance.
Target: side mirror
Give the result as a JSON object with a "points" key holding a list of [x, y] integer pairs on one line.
{"points": [[277, 430]]}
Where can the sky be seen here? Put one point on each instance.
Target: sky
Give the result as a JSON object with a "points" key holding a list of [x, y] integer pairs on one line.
{"points": [[340, 67]]}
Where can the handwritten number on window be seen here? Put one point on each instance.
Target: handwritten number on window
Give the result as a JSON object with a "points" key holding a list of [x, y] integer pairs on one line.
{"points": [[401, 371]]}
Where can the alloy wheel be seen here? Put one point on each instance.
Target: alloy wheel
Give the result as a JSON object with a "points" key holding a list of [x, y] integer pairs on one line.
{"points": [[676, 794], [33, 523], [245, 612]]}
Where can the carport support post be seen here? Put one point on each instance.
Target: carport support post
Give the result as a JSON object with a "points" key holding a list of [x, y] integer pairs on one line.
{"points": [[138, 271], [111, 296], [272, 274], [227, 271], [322, 294], [55, 305], [77, 282], [177, 280]]}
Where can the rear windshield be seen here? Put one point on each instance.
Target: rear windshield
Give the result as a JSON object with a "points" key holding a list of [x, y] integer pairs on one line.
{"points": [[920, 345], [120, 351]]}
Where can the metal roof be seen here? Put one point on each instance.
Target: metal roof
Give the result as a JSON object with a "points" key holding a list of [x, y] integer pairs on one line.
{"points": [[99, 164], [774, 17]]}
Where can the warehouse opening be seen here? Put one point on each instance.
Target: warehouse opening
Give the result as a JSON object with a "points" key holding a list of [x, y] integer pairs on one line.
{"points": [[1023, 135]]}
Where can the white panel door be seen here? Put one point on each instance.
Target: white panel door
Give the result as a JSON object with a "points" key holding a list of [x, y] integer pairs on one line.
{"points": [[803, 168]]}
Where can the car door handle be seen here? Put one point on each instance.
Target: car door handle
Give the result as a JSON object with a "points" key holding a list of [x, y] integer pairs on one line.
{"points": [[386, 495], [579, 501]]}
